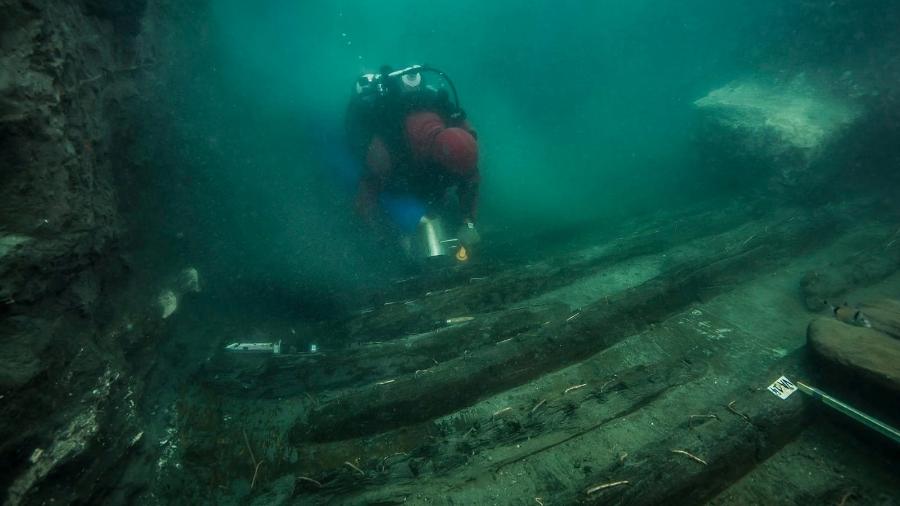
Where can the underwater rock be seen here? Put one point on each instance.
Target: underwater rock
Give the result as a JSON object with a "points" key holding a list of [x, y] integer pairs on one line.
{"points": [[78, 440], [186, 281], [789, 127], [59, 110], [67, 444], [189, 280], [66, 90], [866, 352], [168, 301]]}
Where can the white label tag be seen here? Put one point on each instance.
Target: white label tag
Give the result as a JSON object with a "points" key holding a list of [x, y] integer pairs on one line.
{"points": [[782, 387]]}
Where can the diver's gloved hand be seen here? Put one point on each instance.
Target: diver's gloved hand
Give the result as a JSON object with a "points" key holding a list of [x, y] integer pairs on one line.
{"points": [[468, 234]]}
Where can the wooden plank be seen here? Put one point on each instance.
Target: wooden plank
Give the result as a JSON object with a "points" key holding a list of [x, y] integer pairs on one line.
{"points": [[716, 261]]}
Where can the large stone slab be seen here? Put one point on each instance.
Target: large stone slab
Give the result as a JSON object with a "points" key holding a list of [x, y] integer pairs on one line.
{"points": [[788, 125]]}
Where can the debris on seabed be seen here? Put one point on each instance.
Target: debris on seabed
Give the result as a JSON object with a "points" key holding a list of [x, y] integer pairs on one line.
{"points": [[536, 406], [597, 488], [36, 455], [603, 386], [500, 412], [738, 413], [351, 466], [310, 480], [384, 460], [459, 319], [691, 455], [574, 387], [694, 417]]}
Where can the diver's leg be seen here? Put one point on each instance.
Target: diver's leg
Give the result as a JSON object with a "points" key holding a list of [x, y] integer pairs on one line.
{"points": [[404, 212]]}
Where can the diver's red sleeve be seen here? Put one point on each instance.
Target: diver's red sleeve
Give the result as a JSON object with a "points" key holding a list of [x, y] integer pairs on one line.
{"points": [[378, 166]]}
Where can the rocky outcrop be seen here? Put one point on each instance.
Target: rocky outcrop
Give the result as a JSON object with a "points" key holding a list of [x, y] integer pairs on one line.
{"points": [[61, 98], [65, 82], [68, 384], [778, 130], [818, 117]]}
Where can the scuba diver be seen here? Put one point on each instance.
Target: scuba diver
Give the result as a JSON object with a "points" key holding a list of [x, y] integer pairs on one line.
{"points": [[415, 145]]}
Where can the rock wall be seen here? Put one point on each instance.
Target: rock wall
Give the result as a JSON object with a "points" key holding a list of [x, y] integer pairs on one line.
{"points": [[817, 118], [785, 132], [65, 78], [69, 369]]}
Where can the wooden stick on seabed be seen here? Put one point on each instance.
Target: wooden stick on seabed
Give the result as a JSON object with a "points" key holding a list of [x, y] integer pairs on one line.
{"points": [[255, 473], [691, 455], [574, 387], [351, 466], [694, 417], [597, 488], [603, 386], [310, 480], [735, 411], [501, 411], [256, 463]]}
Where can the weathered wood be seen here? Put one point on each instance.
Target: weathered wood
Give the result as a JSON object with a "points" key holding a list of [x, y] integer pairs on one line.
{"points": [[829, 283], [736, 438], [422, 303], [694, 271], [522, 430], [267, 376], [740, 440]]}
